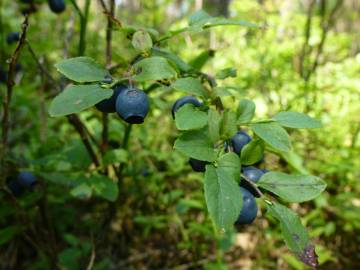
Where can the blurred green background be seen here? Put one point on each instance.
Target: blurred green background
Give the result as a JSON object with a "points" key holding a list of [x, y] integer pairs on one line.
{"points": [[306, 57]]}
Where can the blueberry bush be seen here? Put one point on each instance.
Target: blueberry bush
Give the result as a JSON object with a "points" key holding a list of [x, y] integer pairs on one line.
{"points": [[161, 161]]}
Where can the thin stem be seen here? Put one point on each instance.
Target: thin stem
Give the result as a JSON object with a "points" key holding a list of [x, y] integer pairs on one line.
{"points": [[252, 184], [125, 145], [78, 10], [6, 102], [76, 122], [307, 33], [83, 25], [40, 66], [108, 56]]}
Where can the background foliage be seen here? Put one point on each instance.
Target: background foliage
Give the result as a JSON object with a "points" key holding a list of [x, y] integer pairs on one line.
{"points": [[305, 58]]}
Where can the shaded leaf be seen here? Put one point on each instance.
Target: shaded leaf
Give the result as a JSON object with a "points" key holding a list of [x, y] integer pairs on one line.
{"points": [[173, 58], [189, 85], [142, 41], [196, 144], [104, 187], [82, 191], [273, 134], [223, 197], [198, 16], [296, 120], [252, 152], [115, 156], [76, 98], [228, 124], [82, 69], [199, 61], [9, 233], [226, 73], [188, 117], [214, 120], [245, 111], [293, 188], [153, 69], [230, 162], [294, 233]]}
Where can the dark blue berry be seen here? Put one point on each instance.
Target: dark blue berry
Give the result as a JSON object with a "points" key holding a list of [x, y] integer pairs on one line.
{"points": [[239, 140], [57, 6], [109, 105], [132, 105], [182, 101], [249, 208], [13, 37], [198, 165]]}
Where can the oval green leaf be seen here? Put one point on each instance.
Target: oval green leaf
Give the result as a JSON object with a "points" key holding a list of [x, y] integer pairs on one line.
{"points": [[273, 134], [292, 188], [76, 98], [82, 69]]}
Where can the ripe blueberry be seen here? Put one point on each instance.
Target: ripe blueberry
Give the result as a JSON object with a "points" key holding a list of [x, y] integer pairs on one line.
{"points": [[109, 105], [26, 179], [249, 208], [252, 173], [57, 6], [198, 165], [132, 105], [13, 37], [182, 101], [239, 140]]}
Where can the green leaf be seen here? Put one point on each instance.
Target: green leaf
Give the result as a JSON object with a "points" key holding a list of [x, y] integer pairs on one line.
{"points": [[153, 69], [294, 233], [252, 152], [115, 156], [82, 191], [245, 111], [188, 117], [230, 162], [273, 134], [196, 144], [223, 91], [9, 233], [223, 197], [199, 61], [198, 16], [228, 22], [296, 120], [228, 124], [82, 69], [292, 188], [226, 73], [172, 58], [214, 120], [142, 41], [76, 98], [104, 187], [204, 20], [189, 85]]}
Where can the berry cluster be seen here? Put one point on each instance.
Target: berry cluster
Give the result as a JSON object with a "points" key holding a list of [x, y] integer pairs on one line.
{"points": [[30, 6], [251, 174]]}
